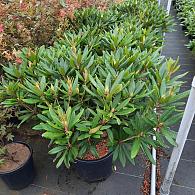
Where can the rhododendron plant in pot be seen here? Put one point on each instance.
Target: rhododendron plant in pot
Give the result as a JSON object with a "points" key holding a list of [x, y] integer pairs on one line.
{"points": [[95, 91]]}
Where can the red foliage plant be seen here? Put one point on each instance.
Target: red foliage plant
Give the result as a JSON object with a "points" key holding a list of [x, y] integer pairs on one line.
{"points": [[31, 23]]}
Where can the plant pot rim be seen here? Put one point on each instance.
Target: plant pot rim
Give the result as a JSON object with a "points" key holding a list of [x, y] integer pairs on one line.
{"points": [[96, 160], [31, 152]]}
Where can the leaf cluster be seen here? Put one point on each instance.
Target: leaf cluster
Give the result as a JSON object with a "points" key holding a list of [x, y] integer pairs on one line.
{"points": [[100, 83]]}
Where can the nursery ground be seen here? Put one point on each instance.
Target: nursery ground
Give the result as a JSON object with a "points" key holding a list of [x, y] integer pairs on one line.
{"points": [[123, 181]]}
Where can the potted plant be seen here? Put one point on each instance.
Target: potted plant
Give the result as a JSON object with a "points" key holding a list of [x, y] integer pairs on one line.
{"points": [[96, 90], [16, 162]]}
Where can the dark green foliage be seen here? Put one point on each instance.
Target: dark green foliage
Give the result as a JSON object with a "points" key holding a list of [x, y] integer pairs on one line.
{"points": [[186, 14], [105, 78]]}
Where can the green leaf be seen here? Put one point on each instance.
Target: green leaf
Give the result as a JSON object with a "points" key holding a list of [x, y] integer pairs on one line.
{"points": [[89, 91], [116, 153], [53, 135], [83, 136], [179, 96], [128, 130], [24, 118], [122, 105], [169, 135], [10, 102], [163, 88], [68, 114], [110, 135], [116, 100], [31, 101], [42, 117], [127, 154], [82, 150], [108, 81], [74, 151], [61, 160], [55, 117], [76, 119], [174, 119], [135, 148], [117, 81], [94, 130], [148, 153], [94, 151], [47, 127], [38, 127], [125, 111], [43, 83], [122, 157], [116, 89], [57, 149], [167, 114]]}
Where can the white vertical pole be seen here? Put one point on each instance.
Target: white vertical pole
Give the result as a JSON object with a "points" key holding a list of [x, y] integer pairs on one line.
{"points": [[153, 172], [180, 140], [169, 6]]}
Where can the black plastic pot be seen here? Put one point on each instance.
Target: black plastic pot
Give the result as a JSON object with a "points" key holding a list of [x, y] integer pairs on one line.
{"points": [[95, 170], [22, 176]]}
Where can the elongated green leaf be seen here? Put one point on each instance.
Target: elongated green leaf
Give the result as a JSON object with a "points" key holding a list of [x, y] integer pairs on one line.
{"points": [[110, 135], [38, 127], [52, 135], [94, 130], [174, 119], [122, 105], [42, 117], [116, 153], [148, 153], [57, 149], [128, 130], [122, 157], [31, 101], [135, 148], [83, 136], [163, 88], [24, 118], [54, 116], [74, 151], [125, 111], [127, 154], [76, 119], [61, 160], [43, 83]]}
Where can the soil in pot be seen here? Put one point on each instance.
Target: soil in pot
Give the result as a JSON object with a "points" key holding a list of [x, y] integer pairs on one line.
{"points": [[17, 155], [102, 150], [93, 169], [18, 170]]}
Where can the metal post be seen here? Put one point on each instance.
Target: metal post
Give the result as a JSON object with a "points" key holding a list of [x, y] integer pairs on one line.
{"points": [[153, 172], [181, 139], [169, 6]]}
